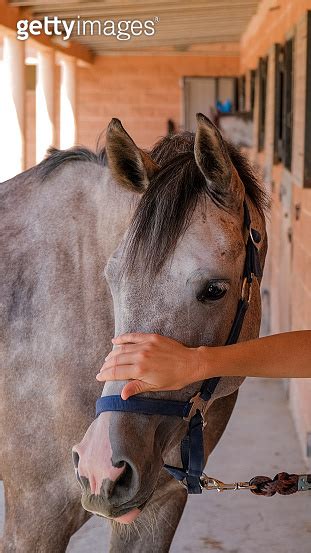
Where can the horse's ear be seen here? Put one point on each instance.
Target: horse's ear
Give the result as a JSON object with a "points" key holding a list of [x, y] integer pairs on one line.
{"points": [[213, 159], [129, 165]]}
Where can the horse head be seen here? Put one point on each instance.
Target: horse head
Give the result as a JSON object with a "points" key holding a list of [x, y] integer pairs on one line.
{"points": [[178, 272]]}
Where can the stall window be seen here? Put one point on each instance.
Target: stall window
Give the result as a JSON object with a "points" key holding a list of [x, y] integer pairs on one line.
{"points": [[262, 87], [288, 104], [283, 121], [279, 104], [252, 91]]}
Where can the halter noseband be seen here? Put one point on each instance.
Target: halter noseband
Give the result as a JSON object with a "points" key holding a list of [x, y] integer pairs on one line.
{"points": [[194, 410]]}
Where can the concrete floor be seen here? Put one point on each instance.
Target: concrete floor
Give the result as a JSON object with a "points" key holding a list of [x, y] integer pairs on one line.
{"points": [[260, 439]]}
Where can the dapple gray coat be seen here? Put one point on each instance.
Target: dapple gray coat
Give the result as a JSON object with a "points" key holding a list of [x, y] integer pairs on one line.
{"points": [[60, 223]]}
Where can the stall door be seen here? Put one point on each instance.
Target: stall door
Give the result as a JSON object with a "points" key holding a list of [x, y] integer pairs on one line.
{"points": [[199, 96]]}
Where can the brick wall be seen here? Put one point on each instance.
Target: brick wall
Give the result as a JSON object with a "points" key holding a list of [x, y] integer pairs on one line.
{"points": [[288, 276], [143, 91], [273, 21]]}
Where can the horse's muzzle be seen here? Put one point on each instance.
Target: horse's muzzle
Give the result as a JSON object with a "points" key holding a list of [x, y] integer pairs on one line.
{"points": [[117, 499]]}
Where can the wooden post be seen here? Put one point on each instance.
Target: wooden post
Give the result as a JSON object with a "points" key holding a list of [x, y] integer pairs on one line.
{"points": [[68, 117], [12, 108], [45, 103]]}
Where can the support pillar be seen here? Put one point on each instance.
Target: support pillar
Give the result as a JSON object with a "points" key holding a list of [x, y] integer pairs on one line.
{"points": [[45, 103], [68, 103], [12, 108]]}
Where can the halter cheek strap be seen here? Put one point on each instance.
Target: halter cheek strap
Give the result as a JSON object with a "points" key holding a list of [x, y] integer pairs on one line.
{"points": [[194, 410]]}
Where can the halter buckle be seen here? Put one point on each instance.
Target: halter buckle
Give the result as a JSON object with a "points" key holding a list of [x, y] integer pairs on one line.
{"points": [[247, 286], [197, 404]]}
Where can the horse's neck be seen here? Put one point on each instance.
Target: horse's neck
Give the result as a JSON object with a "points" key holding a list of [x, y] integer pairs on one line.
{"points": [[114, 209], [79, 202], [111, 205], [66, 228]]}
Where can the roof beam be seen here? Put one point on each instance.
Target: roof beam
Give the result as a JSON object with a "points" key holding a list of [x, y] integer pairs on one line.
{"points": [[73, 8], [140, 11], [142, 3]]}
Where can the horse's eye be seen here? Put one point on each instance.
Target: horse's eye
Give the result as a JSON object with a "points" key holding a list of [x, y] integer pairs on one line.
{"points": [[214, 290]]}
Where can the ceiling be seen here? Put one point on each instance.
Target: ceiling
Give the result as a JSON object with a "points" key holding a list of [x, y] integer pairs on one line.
{"points": [[196, 26]]}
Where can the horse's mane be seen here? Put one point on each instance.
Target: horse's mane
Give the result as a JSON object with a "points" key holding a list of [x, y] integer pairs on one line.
{"points": [[56, 158], [166, 208]]}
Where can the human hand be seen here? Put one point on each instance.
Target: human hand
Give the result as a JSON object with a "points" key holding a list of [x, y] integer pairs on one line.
{"points": [[151, 362]]}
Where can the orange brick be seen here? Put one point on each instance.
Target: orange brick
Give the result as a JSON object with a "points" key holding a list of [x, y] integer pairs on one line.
{"points": [[143, 91]]}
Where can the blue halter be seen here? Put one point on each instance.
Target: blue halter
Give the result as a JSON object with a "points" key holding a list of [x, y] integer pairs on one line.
{"points": [[193, 411]]}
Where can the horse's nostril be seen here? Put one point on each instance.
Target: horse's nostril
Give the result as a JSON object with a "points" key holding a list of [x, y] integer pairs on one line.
{"points": [[124, 484], [112, 488], [75, 458], [116, 486], [125, 474], [119, 464]]}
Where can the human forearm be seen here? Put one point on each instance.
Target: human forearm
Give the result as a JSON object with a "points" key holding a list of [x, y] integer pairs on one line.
{"points": [[278, 356], [152, 363]]}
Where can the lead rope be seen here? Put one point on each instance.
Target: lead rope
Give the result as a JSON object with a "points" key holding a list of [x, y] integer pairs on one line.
{"points": [[283, 484]]}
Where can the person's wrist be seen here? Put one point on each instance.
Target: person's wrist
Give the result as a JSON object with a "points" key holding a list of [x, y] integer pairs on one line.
{"points": [[208, 362], [197, 365]]}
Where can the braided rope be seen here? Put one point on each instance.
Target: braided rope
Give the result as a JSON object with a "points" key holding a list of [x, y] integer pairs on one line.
{"points": [[283, 483]]}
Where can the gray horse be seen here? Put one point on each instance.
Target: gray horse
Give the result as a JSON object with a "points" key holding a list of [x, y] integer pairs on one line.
{"points": [[168, 226]]}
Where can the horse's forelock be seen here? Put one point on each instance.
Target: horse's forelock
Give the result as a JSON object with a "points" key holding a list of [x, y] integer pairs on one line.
{"points": [[165, 210]]}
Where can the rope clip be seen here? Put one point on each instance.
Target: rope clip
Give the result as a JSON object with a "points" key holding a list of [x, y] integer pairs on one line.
{"points": [[209, 483], [303, 483]]}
